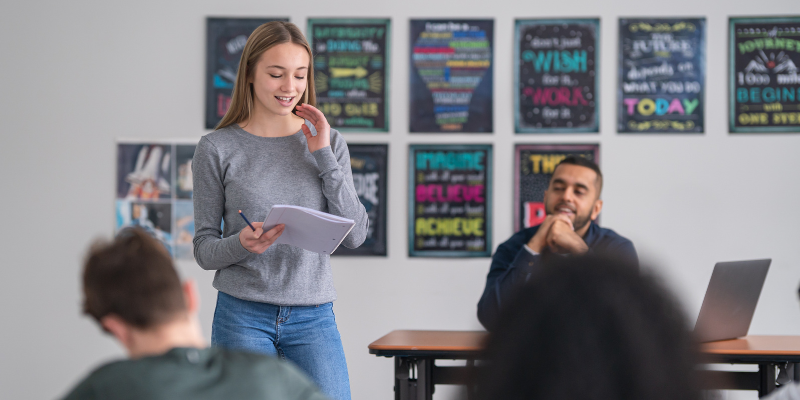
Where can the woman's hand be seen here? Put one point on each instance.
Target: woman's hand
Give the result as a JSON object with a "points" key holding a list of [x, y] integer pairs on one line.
{"points": [[317, 118], [259, 241]]}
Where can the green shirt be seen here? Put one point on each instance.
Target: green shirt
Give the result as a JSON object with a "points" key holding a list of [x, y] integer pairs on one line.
{"points": [[189, 373]]}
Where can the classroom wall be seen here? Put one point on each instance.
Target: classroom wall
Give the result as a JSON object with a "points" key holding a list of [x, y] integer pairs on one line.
{"points": [[75, 76]]}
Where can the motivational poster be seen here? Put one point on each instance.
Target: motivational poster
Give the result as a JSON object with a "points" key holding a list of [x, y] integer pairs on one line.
{"points": [[154, 192], [764, 85], [369, 162], [661, 75], [351, 72], [450, 201], [225, 42], [451, 75], [555, 73], [533, 166]]}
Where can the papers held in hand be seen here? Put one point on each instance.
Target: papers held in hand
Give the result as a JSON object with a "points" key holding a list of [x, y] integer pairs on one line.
{"points": [[309, 229]]}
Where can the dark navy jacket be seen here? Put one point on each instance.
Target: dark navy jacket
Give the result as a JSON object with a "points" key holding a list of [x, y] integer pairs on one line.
{"points": [[512, 265]]}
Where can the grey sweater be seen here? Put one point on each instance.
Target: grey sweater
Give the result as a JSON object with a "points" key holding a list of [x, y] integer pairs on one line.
{"points": [[234, 170]]}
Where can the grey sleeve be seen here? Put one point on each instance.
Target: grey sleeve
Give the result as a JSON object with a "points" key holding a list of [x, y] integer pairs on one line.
{"points": [[210, 250], [339, 190]]}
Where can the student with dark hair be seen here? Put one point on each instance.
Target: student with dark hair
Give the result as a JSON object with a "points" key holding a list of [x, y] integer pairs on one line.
{"points": [[590, 328], [572, 204], [133, 291]]}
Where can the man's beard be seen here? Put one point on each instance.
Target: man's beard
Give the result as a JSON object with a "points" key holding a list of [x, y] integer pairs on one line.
{"points": [[579, 222]]}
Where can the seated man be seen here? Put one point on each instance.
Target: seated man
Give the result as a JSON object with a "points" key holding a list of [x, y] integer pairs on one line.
{"points": [[133, 291], [572, 203]]}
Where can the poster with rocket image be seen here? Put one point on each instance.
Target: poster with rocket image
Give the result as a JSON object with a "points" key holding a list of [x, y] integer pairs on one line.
{"points": [[661, 75], [764, 81], [154, 192], [451, 64]]}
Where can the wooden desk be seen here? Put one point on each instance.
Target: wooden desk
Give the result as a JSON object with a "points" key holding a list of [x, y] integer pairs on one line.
{"points": [[766, 351], [415, 353]]}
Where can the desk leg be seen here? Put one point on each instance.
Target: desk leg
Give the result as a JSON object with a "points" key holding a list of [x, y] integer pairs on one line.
{"points": [[413, 378], [766, 378]]}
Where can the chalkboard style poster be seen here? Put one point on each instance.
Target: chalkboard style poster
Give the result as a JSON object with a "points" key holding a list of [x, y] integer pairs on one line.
{"points": [[451, 75], [450, 201], [226, 38], [368, 162], [555, 73], [154, 192], [764, 80], [351, 72], [661, 75], [533, 166]]}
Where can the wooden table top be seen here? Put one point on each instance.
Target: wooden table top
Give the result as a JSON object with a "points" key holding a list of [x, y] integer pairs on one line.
{"points": [[431, 341], [414, 341], [755, 345]]}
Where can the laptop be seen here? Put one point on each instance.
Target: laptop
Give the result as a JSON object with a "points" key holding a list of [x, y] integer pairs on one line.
{"points": [[731, 300]]}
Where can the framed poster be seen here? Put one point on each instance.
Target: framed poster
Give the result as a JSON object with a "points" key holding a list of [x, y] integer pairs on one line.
{"points": [[225, 40], [764, 83], [450, 200], [451, 64], [533, 166], [351, 72], [661, 75], [556, 75], [369, 163], [154, 192]]}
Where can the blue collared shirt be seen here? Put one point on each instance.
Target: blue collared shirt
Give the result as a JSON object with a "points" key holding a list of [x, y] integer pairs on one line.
{"points": [[513, 264]]}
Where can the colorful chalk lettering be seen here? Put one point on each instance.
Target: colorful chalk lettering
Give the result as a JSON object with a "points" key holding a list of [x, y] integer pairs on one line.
{"points": [[451, 76], [533, 166], [226, 38], [351, 72], [450, 201], [555, 74], [661, 75], [764, 81]]}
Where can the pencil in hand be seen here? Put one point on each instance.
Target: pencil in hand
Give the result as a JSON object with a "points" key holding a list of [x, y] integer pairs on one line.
{"points": [[246, 220]]}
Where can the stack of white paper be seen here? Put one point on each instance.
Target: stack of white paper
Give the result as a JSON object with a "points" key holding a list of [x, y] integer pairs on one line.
{"points": [[308, 229]]}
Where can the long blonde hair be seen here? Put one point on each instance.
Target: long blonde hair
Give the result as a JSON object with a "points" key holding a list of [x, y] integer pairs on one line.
{"points": [[262, 39]]}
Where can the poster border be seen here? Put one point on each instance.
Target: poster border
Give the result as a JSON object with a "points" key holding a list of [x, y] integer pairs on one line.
{"points": [[518, 23], [387, 62], [732, 129], [489, 196]]}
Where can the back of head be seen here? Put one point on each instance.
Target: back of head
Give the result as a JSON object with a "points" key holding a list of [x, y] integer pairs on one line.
{"points": [[133, 278], [590, 328]]}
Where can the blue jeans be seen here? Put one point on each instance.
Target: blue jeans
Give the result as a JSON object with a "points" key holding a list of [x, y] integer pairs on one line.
{"points": [[305, 335]]}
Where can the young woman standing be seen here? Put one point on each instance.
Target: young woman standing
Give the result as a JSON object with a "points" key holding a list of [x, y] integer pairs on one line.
{"points": [[274, 147]]}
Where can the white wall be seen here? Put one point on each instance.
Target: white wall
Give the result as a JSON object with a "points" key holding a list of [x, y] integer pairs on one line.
{"points": [[76, 75]]}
